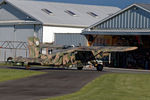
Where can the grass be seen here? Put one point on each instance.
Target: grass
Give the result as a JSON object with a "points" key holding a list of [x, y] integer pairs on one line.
{"points": [[113, 87], [4, 64], [12, 74]]}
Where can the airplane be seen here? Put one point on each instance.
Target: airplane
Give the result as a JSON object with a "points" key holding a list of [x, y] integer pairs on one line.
{"points": [[66, 56]]}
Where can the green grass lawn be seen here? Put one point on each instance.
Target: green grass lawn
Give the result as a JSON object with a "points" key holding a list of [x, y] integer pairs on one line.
{"points": [[12, 74], [4, 64], [113, 87]]}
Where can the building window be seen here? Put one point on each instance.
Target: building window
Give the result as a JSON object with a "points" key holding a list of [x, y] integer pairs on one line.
{"points": [[70, 13], [92, 14], [47, 11]]}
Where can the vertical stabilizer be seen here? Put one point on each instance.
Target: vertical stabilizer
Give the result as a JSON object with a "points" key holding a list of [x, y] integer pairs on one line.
{"points": [[34, 47]]}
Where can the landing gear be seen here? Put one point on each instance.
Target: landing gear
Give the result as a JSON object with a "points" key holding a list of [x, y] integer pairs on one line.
{"points": [[27, 67], [79, 68], [18, 63], [99, 67], [9, 60]]}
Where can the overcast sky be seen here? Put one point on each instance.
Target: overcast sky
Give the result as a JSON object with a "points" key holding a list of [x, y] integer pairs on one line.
{"points": [[118, 3]]}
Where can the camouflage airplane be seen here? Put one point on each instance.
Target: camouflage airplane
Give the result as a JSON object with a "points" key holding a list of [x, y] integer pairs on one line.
{"points": [[66, 56]]}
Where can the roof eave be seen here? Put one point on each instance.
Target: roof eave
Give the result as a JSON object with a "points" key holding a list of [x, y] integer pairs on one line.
{"points": [[19, 22], [117, 32], [142, 8], [66, 25]]}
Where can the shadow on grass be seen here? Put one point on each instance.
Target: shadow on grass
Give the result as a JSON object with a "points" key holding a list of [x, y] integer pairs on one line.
{"points": [[34, 68]]}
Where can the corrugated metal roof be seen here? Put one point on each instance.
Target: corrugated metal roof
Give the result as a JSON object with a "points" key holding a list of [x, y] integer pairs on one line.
{"points": [[145, 7], [59, 16]]}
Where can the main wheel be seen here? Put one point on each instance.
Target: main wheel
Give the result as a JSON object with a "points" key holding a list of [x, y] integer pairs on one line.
{"points": [[18, 63], [27, 67], [99, 67], [79, 68]]}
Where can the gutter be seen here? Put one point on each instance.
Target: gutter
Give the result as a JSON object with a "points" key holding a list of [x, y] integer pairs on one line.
{"points": [[66, 25]]}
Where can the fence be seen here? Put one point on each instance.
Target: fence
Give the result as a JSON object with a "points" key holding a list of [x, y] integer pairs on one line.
{"points": [[13, 49]]}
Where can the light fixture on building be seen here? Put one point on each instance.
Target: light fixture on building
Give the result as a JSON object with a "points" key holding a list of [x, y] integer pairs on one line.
{"points": [[135, 8]]}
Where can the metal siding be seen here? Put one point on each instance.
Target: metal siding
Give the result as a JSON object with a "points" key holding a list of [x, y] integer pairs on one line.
{"points": [[122, 26], [70, 39], [113, 23], [125, 19], [116, 22], [107, 23], [102, 25], [23, 32], [39, 31], [148, 23], [144, 22], [138, 23], [110, 23], [135, 23], [132, 18], [128, 25], [120, 21], [6, 33]]}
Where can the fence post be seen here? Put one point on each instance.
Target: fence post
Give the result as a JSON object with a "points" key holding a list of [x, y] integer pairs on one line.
{"points": [[5, 56]]}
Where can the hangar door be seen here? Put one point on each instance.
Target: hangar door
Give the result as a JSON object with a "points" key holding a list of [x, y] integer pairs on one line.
{"points": [[16, 32], [9, 34], [6, 33], [22, 32]]}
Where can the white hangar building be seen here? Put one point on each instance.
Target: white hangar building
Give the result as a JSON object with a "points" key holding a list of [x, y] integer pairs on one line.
{"points": [[46, 18], [20, 19]]}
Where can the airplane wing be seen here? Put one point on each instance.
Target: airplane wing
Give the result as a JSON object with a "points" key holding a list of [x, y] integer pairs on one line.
{"points": [[107, 48]]}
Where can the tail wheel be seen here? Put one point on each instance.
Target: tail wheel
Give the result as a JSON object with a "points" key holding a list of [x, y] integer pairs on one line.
{"points": [[9, 60], [99, 67]]}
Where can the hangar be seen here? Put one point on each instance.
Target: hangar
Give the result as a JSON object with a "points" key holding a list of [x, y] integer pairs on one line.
{"points": [[128, 27], [20, 19], [46, 18]]}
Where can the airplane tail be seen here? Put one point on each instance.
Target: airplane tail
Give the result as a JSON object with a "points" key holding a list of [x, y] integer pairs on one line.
{"points": [[34, 47]]}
